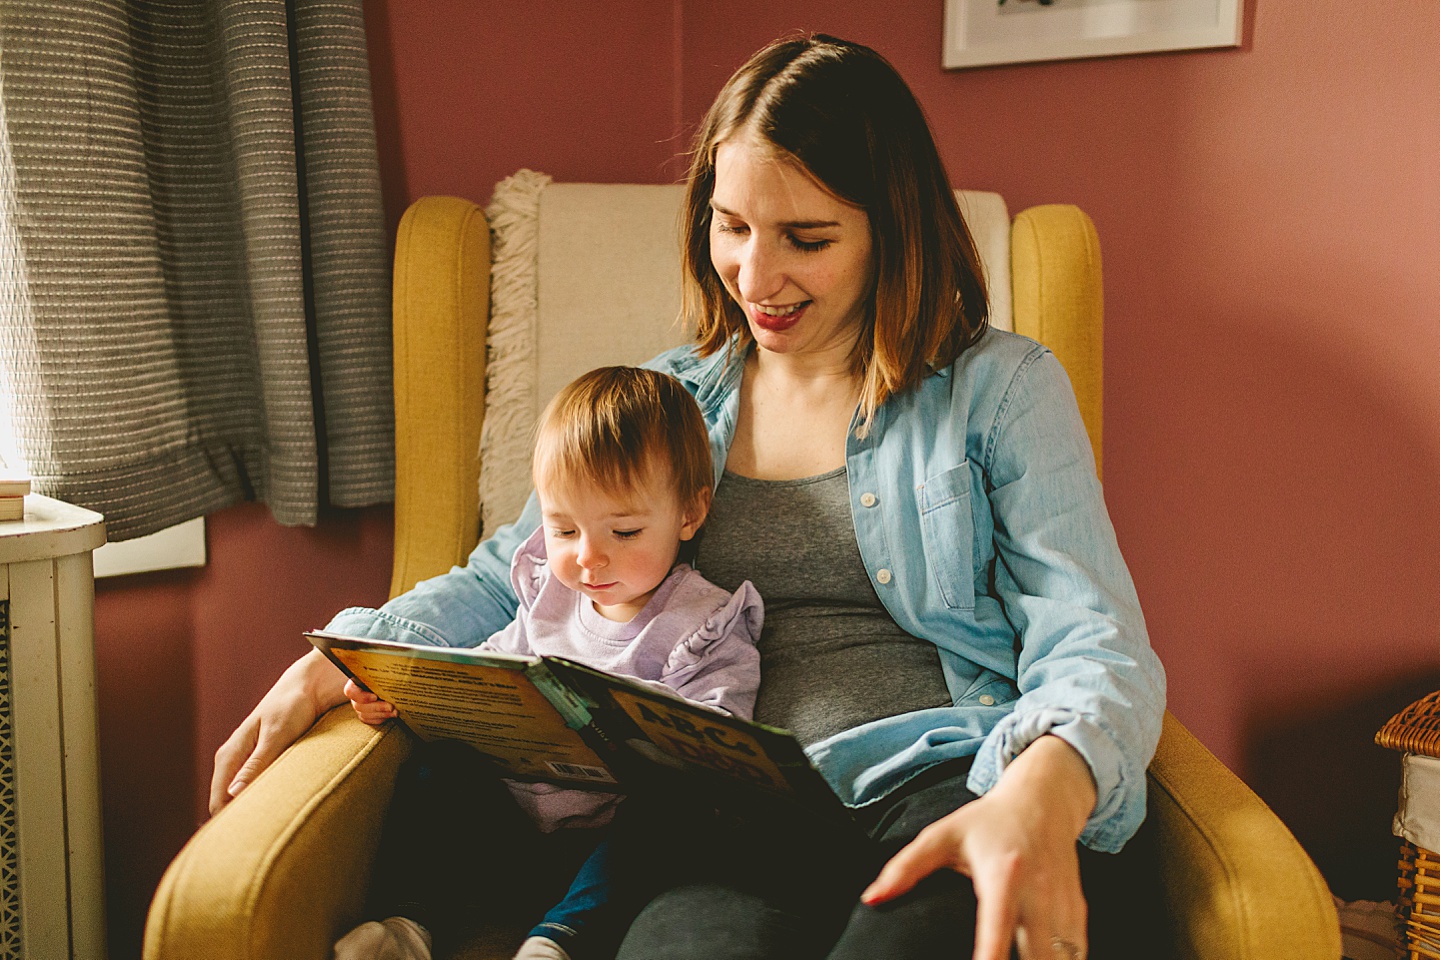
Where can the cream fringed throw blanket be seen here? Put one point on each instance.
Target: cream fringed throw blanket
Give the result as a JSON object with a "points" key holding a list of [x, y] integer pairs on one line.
{"points": [[584, 275], [510, 404]]}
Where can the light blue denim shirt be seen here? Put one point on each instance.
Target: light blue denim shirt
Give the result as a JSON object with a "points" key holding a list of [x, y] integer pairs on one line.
{"points": [[981, 521]]}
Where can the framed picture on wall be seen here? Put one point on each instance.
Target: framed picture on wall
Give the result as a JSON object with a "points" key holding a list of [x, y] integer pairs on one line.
{"points": [[985, 32]]}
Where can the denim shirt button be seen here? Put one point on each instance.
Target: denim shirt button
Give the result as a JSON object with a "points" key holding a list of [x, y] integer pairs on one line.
{"points": [[986, 700], [882, 576], [868, 499]]}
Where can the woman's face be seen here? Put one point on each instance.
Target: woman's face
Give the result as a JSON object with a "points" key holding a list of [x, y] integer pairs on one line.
{"points": [[795, 258]]}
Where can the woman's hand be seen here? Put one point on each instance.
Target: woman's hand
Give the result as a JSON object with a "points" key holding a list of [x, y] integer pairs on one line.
{"points": [[308, 687], [1017, 845]]}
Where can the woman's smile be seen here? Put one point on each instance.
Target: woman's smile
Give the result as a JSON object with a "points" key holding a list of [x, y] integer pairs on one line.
{"points": [[777, 318]]}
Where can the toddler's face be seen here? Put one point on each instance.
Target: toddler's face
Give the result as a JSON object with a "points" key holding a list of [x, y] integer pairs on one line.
{"points": [[615, 547]]}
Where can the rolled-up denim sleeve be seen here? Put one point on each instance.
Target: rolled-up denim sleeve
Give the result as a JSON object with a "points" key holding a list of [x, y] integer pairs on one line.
{"points": [[461, 608], [1085, 670]]}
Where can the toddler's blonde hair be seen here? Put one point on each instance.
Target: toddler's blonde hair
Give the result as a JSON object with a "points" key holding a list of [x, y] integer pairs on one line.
{"points": [[614, 425]]}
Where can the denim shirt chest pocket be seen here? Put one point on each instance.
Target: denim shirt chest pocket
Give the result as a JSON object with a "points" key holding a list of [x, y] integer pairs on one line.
{"points": [[947, 533], [989, 689]]}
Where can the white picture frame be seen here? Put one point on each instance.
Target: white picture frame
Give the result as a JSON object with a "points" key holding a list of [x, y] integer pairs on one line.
{"points": [[981, 33]]}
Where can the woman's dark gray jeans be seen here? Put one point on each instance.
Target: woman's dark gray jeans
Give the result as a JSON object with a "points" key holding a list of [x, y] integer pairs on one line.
{"points": [[751, 893]]}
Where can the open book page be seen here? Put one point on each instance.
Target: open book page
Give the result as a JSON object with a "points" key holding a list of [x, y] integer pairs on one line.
{"points": [[734, 761], [687, 736], [483, 699]]}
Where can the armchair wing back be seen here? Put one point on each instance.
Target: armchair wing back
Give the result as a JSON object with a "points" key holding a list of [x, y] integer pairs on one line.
{"points": [[273, 874]]}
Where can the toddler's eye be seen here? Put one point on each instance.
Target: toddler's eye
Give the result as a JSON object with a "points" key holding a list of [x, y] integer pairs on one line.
{"points": [[627, 534], [562, 534]]}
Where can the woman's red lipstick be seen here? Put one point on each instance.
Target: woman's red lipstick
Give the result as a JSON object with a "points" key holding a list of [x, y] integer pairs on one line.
{"points": [[771, 322]]}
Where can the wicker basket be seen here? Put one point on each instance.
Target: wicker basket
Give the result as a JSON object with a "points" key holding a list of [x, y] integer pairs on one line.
{"points": [[1416, 729], [1420, 901]]}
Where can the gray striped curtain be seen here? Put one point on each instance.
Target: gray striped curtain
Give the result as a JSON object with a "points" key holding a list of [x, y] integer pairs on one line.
{"points": [[194, 290]]}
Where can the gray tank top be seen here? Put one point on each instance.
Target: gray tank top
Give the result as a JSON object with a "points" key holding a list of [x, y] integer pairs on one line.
{"points": [[831, 657]]}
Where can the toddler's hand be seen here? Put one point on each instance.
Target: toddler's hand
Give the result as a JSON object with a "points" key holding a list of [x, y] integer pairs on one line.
{"points": [[368, 707]]}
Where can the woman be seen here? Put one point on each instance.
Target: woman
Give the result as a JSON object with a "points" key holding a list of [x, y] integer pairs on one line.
{"points": [[948, 615]]}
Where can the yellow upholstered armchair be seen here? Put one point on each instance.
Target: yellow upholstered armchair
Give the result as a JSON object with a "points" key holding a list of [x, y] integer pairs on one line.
{"points": [[272, 876]]}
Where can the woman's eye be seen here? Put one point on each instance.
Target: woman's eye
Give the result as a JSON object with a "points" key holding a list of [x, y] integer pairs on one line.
{"points": [[809, 246], [723, 227], [627, 534]]}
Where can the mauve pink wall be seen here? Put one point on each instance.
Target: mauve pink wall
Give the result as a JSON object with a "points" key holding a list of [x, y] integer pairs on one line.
{"points": [[1270, 219], [478, 89]]}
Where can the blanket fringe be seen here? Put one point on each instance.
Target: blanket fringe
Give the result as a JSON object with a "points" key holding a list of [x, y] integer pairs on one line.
{"points": [[511, 374]]}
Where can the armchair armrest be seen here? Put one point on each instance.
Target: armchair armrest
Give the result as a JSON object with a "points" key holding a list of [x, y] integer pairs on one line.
{"points": [[441, 314], [284, 868], [1238, 884]]}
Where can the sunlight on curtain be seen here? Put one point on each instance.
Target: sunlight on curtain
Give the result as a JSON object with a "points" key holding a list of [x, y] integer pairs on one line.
{"points": [[203, 277], [19, 366]]}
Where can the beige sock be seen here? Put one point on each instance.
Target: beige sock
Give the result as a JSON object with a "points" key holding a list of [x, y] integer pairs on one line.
{"points": [[541, 948], [395, 938]]}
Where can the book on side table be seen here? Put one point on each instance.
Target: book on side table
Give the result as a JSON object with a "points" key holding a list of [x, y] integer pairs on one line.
{"points": [[554, 720], [13, 489]]}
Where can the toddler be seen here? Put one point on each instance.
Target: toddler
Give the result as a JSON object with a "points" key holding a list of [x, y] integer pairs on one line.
{"points": [[623, 475]]}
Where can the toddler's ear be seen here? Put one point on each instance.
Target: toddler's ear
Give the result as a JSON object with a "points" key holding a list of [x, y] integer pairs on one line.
{"points": [[695, 514]]}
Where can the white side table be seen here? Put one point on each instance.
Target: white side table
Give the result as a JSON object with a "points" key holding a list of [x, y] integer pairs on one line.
{"points": [[52, 894]]}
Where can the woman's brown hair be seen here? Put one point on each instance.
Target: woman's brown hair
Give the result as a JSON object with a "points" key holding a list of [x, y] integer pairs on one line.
{"points": [[840, 111], [613, 425]]}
